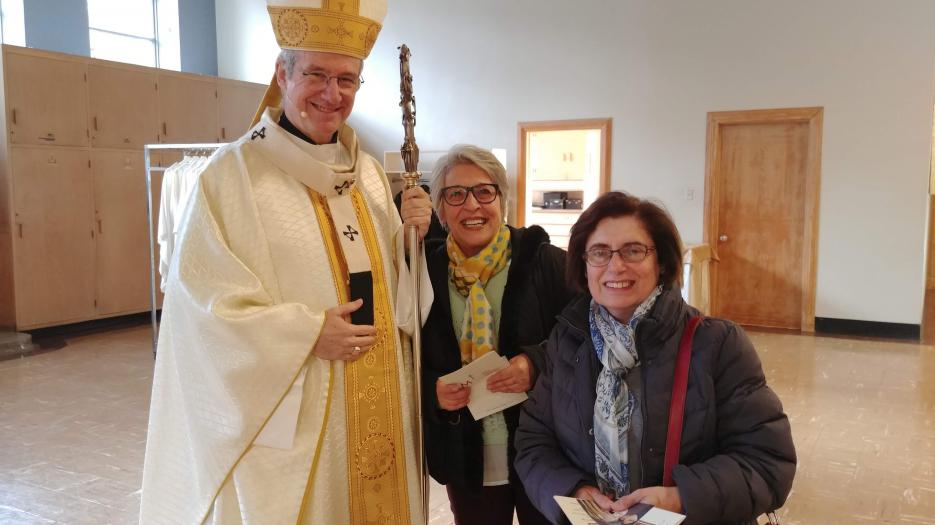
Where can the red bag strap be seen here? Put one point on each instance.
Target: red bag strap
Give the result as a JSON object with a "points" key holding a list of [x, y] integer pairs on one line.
{"points": [[677, 404]]}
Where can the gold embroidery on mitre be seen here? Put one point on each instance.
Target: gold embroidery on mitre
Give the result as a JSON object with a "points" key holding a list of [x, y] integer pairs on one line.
{"points": [[336, 29], [292, 27], [346, 6]]}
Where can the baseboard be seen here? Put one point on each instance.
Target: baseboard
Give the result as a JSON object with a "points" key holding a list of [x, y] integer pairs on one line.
{"points": [[827, 325], [90, 327]]}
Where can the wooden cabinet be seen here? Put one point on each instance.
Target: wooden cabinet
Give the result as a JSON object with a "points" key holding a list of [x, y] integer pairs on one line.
{"points": [[74, 244], [53, 235], [122, 248], [558, 155], [188, 109], [237, 104], [123, 110], [47, 100]]}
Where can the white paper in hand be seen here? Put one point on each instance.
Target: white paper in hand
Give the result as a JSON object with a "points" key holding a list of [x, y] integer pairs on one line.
{"points": [[474, 374], [583, 511]]}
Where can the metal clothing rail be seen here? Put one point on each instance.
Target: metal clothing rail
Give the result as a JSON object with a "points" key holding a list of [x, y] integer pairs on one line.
{"points": [[189, 150]]}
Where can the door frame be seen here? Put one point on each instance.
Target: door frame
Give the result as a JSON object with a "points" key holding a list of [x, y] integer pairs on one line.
{"points": [[602, 124], [813, 116]]}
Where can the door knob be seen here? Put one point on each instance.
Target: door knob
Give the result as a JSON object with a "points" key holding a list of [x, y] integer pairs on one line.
{"points": [[722, 238]]}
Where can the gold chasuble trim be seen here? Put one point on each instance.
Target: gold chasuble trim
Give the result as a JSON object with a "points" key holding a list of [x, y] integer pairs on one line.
{"points": [[376, 466], [338, 275]]}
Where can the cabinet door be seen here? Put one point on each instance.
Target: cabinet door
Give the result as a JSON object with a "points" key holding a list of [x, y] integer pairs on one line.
{"points": [[122, 241], [237, 103], [123, 107], [53, 236], [188, 109], [47, 100]]}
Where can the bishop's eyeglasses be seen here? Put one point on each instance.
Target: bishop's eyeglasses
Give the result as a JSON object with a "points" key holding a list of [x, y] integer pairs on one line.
{"points": [[320, 79], [632, 252], [483, 193]]}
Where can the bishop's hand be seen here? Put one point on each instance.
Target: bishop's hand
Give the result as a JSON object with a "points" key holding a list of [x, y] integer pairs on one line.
{"points": [[416, 210], [340, 340]]}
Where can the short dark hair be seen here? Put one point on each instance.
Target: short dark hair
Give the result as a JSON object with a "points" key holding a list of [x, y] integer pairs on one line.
{"points": [[657, 222]]}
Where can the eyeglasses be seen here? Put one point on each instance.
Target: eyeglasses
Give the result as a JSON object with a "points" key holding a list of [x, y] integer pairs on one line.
{"points": [[632, 252], [483, 193], [319, 79]]}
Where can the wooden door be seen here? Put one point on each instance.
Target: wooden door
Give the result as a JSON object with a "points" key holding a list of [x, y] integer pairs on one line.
{"points": [[761, 215], [237, 103], [122, 272], [53, 236], [123, 106], [188, 109], [47, 100]]}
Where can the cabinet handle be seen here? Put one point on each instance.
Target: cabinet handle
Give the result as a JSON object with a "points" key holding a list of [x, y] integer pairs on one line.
{"points": [[95, 123], [99, 228], [223, 134], [20, 227], [164, 132], [14, 115]]}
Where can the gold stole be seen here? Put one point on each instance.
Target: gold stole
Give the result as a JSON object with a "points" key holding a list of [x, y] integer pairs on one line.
{"points": [[376, 466]]}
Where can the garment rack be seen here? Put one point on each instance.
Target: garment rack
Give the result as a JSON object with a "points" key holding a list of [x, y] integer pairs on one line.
{"points": [[200, 150]]}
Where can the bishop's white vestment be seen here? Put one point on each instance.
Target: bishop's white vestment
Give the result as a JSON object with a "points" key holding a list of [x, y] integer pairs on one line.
{"points": [[247, 425]]}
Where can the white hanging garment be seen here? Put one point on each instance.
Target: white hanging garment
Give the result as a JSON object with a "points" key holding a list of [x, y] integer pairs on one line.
{"points": [[177, 184]]}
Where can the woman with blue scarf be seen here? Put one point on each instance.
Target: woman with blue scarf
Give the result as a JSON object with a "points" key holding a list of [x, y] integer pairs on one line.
{"points": [[595, 425]]}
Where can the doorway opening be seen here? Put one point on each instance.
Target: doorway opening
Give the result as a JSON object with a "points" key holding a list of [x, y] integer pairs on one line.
{"points": [[563, 166]]}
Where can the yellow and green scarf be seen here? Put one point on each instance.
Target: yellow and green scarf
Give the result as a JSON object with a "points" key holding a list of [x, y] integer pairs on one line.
{"points": [[470, 276]]}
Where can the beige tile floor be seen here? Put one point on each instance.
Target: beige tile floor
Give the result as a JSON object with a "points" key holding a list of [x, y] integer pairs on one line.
{"points": [[73, 422]]}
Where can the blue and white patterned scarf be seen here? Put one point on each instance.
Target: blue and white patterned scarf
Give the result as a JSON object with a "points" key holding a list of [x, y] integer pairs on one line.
{"points": [[616, 350]]}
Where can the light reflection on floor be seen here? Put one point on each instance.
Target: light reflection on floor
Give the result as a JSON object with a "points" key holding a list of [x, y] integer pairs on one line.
{"points": [[72, 430]]}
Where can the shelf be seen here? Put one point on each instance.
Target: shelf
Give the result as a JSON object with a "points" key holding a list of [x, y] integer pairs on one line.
{"points": [[536, 209]]}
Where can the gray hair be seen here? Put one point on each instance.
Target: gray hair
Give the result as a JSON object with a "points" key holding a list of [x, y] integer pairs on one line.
{"points": [[288, 57], [467, 154]]}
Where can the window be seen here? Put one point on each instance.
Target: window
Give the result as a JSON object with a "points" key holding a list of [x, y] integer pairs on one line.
{"points": [[13, 22], [123, 30], [143, 32]]}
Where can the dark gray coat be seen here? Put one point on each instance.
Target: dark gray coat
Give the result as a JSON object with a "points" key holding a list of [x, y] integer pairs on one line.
{"points": [[737, 459]]}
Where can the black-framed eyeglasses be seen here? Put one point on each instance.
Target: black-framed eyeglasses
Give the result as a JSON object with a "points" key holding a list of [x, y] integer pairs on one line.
{"points": [[483, 193], [320, 79], [632, 252]]}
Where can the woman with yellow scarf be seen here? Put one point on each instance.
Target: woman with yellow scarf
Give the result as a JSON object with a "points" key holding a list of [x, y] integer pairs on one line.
{"points": [[497, 289]]}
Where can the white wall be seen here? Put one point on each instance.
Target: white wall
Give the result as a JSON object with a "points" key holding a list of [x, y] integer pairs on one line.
{"points": [[657, 67], [247, 48]]}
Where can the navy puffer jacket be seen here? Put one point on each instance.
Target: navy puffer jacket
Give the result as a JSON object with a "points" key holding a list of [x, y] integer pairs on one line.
{"points": [[737, 459]]}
